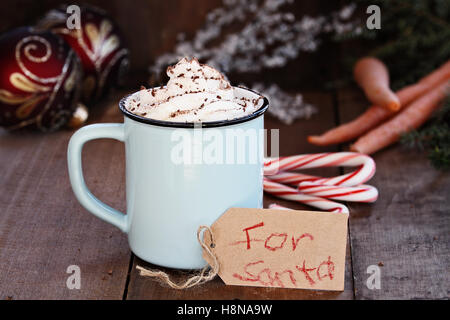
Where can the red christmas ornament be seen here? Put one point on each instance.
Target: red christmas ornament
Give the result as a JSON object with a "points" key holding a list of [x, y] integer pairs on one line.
{"points": [[98, 44], [40, 78]]}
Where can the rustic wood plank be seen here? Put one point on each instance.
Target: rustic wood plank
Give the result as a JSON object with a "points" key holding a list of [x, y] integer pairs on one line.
{"points": [[292, 141], [407, 230], [43, 229]]}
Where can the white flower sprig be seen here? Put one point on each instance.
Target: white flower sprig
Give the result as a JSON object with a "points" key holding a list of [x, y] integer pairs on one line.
{"points": [[268, 37]]}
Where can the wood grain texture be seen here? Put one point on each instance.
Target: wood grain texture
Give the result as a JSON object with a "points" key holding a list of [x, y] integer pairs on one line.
{"points": [[292, 141], [43, 229], [407, 230]]}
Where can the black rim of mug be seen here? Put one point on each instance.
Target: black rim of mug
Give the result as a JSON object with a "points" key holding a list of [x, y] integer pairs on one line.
{"points": [[210, 124]]}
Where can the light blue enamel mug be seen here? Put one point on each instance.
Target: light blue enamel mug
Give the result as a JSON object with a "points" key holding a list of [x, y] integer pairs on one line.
{"points": [[171, 187]]}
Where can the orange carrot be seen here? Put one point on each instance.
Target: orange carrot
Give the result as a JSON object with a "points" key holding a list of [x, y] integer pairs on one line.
{"points": [[412, 117], [375, 115], [373, 77]]}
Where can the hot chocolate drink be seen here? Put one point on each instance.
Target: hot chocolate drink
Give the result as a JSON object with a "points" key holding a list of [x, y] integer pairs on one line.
{"points": [[194, 93]]}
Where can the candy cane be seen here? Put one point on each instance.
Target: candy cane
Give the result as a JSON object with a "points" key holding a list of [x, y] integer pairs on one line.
{"points": [[315, 191], [307, 184], [292, 178], [289, 193], [361, 193], [345, 159], [278, 207]]}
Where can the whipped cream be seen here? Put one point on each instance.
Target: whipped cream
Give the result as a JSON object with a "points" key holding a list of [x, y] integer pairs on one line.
{"points": [[194, 93]]}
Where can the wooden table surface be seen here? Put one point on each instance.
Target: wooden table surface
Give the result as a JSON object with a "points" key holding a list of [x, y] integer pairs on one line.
{"points": [[43, 229]]}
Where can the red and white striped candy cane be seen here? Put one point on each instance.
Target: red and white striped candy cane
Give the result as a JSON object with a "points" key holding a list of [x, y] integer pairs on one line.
{"points": [[307, 184], [292, 178], [347, 187], [361, 193], [344, 159], [289, 193], [278, 207]]}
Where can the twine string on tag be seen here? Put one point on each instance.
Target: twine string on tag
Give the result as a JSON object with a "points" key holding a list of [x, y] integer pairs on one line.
{"points": [[206, 274]]}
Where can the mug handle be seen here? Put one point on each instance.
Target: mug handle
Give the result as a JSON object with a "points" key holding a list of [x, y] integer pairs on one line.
{"points": [[84, 196]]}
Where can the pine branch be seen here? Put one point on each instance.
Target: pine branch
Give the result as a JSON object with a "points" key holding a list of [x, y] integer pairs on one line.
{"points": [[413, 39], [433, 138]]}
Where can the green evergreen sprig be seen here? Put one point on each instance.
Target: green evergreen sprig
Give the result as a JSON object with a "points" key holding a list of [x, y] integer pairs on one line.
{"points": [[413, 39], [433, 138]]}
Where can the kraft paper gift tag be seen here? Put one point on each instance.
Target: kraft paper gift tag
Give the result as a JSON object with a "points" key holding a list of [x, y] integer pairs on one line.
{"points": [[280, 248]]}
